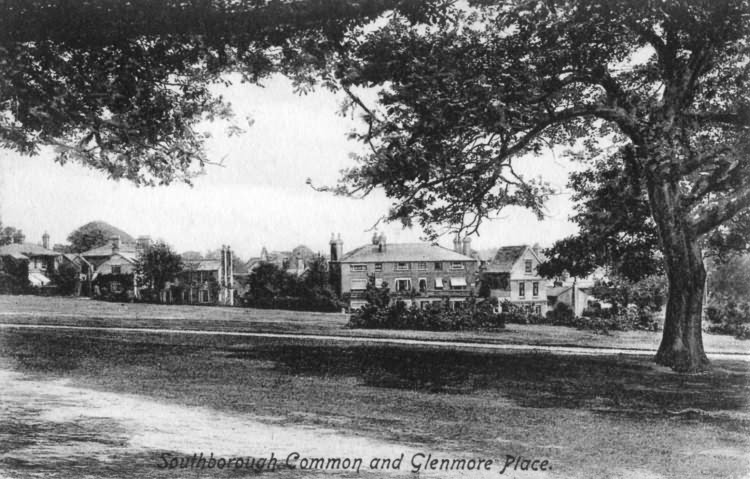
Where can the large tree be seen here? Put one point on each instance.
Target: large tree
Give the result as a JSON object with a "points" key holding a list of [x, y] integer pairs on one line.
{"points": [[664, 83]]}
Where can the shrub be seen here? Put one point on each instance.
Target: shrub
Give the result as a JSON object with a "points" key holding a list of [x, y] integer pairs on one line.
{"points": [[473, 316], [727, 316]]}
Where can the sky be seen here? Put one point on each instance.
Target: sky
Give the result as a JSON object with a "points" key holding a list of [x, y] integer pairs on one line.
{"points": [[259, 196]]}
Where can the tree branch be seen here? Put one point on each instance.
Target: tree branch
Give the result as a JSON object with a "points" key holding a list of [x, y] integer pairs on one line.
{"points": [[720, 212]]}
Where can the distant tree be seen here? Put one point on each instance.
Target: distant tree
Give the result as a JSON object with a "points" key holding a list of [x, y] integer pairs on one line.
{"points": [[191, 256], [95, 234], [65, 278], [159, 264], [317, 274], [730, 279], [8, 234]]}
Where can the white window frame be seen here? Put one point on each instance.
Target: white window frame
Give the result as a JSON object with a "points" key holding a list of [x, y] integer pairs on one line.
{"points": [[119, 268], [456, 266], [397, 267], [521, 289], [361, 284], [378, 267], [528, 266], [422, 266], [358, 268], [408, 280], [535, 289]]}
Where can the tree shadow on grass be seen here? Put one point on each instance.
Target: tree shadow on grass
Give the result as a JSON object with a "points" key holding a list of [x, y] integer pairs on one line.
{"points": [[605, 383]]}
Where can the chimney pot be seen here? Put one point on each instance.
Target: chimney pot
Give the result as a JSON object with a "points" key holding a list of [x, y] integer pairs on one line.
{"points": [[45, 240]]}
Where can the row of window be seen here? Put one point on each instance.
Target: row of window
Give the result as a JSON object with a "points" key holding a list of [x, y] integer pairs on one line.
{"points": [[421, 266], [534, 289], [405, 284]]}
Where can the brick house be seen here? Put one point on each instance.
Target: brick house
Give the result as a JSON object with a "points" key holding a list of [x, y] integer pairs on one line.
{"points": [[511, 275], [416, 273]]}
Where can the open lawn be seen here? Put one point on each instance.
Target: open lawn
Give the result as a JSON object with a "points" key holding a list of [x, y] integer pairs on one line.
{"points": [[85, 312], [106, 405]]}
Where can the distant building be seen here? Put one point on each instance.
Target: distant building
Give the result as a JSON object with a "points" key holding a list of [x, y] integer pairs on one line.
{"points": [[416, 273], [511, 275], [42, 261], [208, 281]]}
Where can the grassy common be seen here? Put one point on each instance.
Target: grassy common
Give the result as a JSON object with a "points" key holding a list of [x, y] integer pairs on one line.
{"points": [[591, 417]]}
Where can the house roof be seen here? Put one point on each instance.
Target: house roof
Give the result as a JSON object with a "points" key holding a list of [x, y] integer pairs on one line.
{"points": [[106, 250], [403, 252], [26, 249], [505, 258], [202, 265]]}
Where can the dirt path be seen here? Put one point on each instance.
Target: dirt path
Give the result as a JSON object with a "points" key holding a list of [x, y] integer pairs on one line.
{"points": [[67, 426]]}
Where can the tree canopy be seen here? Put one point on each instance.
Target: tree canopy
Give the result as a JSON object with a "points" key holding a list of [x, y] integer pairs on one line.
{"points": [[122, 86], [94, 234]]}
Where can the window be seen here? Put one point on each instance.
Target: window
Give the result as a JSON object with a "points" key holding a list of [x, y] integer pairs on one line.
{"points": [[535, 288], [456, 265], [422, 285], [403, 284], [538, 310], [422, 266], [358, 284], [438, 283], [402, 267], [378, 267], [115, 287], [438, 266], [203, 296], [522, 289], [527, 265], [117, 269], [357, 267]]}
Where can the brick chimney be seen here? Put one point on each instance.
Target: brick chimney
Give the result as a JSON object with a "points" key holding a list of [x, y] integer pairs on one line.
{"points": [[142, 244], [337, 247], [45, 240], [457, 244], [382, 243], [115, 244], [467, 246]]}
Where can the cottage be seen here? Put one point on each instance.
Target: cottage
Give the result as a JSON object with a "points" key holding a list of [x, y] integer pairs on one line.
{"points": [[417, 273], [42, 261], [511, 275]]}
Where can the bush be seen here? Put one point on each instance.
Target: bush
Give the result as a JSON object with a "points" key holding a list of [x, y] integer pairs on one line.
{"points": [[727, 316], [473, 316]]}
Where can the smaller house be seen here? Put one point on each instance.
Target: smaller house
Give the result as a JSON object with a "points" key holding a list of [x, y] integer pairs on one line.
{"points": [[511, 275], [42, 261], [117, 274], [208, 281]]}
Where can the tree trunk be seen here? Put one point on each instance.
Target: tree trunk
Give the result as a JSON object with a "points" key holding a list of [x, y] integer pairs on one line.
{"points": [[682, 343]]}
